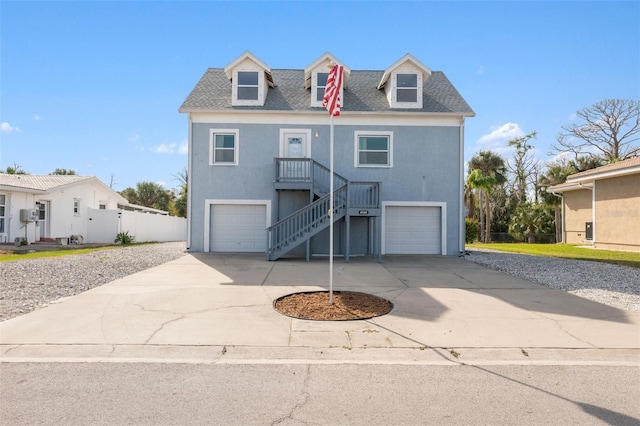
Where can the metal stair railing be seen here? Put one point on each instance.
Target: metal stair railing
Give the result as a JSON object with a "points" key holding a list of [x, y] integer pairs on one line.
{"points": [[364, 195], [301, 225], [306, 171]]}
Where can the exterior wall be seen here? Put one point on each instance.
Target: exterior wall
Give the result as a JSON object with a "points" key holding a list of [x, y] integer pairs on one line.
{"points": [[577, 211], [104, 225], [426, 165], [618, 213]]}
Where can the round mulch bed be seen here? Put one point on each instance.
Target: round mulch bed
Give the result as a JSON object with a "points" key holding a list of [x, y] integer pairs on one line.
{"points": [[347, 305]]}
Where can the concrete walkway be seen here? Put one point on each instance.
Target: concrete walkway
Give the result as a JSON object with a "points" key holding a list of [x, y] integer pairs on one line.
{"points": [[206, 308]]}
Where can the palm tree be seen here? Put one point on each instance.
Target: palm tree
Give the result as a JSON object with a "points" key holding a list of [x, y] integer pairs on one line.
{"points": [[556, 174], [486, 170]]}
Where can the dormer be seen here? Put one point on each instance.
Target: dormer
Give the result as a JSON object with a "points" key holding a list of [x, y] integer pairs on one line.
{"points": [[403, 82], [250, 80], [316, 74]]}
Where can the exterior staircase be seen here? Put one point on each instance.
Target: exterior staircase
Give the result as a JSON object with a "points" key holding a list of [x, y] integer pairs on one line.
{"points": [[350, 198]]}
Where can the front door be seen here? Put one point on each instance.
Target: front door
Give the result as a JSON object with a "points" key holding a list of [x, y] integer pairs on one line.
{"points": [[43, 218], [295, 144]]}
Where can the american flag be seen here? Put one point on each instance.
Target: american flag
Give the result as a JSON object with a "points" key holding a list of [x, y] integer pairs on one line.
{"points": [[331, 98]]}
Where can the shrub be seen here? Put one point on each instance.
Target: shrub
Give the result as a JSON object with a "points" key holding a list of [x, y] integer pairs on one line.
{"points": [[472, 228], [124, 238]]}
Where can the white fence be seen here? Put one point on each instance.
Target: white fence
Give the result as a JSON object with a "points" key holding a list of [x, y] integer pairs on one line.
{"points": [[104, 225]]}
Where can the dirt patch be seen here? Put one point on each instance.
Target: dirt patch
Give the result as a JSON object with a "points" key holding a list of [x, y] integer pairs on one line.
{"points": [[347, 305]]}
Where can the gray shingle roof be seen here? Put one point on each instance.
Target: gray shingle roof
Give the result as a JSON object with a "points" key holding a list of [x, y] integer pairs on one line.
{"points": [[213, 93], [40, 182]]}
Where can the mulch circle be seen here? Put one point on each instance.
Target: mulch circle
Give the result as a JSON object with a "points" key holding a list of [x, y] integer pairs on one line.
{"points": [[347, 305]]}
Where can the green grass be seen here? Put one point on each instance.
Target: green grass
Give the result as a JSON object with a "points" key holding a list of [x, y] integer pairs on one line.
{"points": [[568, 251], [6, 257]]}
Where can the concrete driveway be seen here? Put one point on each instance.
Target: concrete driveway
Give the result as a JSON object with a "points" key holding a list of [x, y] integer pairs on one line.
{"points": [[218, 308]]}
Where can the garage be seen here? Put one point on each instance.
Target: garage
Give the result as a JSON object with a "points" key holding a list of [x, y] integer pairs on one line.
{"points": [[412, 229], [238, 228]]}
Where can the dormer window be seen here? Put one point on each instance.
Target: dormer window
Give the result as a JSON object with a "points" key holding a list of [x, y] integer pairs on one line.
{"points": [[406, 87], [316, 76], [248, 85], [250, 80], [403, 82]]}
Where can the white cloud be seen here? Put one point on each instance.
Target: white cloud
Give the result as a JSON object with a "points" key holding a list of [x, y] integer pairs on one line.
{"points": [[7, 128], [165, 148], [134, 138], [499, 136], [480, 70], [36, 117], [184, 147]]}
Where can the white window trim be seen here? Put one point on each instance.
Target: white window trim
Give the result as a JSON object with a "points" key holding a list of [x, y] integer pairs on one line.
{"points": [[207, 215], [314, 88], [236, 133], [4, 218], [76, 210], [443, 219], [248, 102], [356, 156], [394, 90]]}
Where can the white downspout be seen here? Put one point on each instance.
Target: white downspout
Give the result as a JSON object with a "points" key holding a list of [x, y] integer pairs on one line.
{"points": [[189, 187], [461, 228]]}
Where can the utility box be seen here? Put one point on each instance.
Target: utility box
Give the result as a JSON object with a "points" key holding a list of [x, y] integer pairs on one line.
{"points": [[588, 230], [28, 215]]}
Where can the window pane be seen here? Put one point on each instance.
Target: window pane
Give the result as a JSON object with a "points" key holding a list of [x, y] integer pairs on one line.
{"points": [[373, 143], [320, 94], [249, 93], [373, 158], [322, 78], [224, 156], [2, 198], [1, 210], [225, 141], [1, 225], [247, 78], [407, 95], [407, 80]]}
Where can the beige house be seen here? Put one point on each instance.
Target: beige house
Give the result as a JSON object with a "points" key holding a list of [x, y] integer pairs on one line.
{"points": [[601, 207]]}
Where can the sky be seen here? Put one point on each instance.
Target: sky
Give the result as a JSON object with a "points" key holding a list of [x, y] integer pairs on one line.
{"points": [[95, 86]]}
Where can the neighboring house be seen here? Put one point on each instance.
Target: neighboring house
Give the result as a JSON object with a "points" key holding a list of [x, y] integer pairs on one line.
{"points": [[259, 160], [601, 206], [64, 208]]}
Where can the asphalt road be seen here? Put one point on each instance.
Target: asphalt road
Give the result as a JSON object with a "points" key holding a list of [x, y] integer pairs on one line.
{"points": [[316, 394]]}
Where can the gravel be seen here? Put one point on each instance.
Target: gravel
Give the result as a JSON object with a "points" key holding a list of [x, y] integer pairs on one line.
{"points": [[613, 285], [26, 285]]}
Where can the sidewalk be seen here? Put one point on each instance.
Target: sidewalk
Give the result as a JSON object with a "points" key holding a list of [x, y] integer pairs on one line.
{"points": [[218, 308]]}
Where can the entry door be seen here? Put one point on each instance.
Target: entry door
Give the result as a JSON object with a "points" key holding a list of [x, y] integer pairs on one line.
{"points": [[43, 218], [294, 144]]}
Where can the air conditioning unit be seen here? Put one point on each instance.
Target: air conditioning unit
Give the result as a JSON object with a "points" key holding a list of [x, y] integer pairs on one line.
{"points": [[28, 215]]}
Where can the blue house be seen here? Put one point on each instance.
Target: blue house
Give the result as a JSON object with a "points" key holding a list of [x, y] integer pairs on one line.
{"points": [[259, 161]]}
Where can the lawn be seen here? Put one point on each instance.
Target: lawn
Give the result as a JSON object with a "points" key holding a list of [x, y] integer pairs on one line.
{"points": [[569, 251]]}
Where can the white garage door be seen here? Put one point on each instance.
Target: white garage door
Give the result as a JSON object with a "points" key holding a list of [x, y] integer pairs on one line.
{"points": [[238, 228], [412, 230]]}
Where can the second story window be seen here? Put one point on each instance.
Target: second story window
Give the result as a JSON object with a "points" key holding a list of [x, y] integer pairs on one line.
{"points": [[321, 86], [248, 85], [374, 149], [406, 88], [223, 148]]}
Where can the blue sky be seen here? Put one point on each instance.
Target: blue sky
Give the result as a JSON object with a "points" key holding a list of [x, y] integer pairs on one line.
{"points": [[96, 86]]}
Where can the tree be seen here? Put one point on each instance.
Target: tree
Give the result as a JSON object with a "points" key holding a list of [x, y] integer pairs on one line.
{"points": [[180, 203], [609, 129], [15, 170], [522, 166], [63, 172], [149, 194], [486, 171], [555, 174], [529, 221]]}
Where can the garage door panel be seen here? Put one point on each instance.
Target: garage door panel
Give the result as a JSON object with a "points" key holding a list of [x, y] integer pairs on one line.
{"points": [[412, 230], [238, 228]]}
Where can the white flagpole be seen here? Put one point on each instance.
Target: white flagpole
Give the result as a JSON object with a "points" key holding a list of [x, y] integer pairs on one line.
{"points": [[331, 210]]}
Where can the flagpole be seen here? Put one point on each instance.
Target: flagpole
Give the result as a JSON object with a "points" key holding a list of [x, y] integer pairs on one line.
{"points": [[331, 210]]}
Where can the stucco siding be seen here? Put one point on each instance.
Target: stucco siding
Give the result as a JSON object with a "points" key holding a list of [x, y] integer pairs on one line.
{"points": [[617, 203], [426, 167], [577, 211]]}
